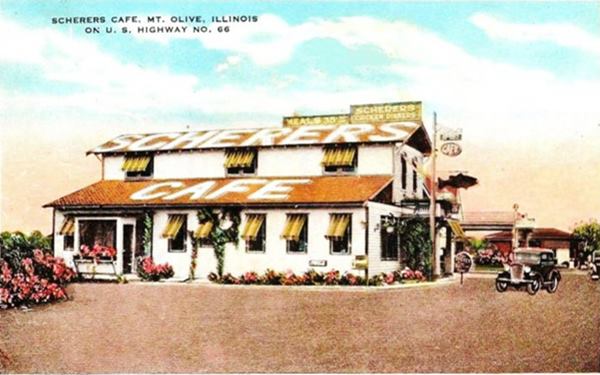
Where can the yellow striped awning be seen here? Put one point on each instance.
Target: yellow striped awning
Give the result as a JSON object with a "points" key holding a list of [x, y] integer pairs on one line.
{"points": [[203, 230], [173, 226], [457, 229], [135, 163], [338, 223], [253, 224], [239, 159], [68, 227], [293, 226], [339, 157]]}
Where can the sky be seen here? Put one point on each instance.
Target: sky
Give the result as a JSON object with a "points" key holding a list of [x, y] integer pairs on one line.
{"points": [[521, 79]]}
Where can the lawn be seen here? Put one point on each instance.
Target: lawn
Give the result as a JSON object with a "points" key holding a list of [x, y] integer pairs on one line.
{"points": [[153, 328]]}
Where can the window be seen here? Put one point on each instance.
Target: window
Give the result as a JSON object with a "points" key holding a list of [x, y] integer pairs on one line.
{"points": [[414, 182], [98, 232], [67, 230], [241, 162], [202, 233], [295, 232], [389, 241], [176, 233], [137, 167], [255, 233], [339, 233], [340, 159], [403, 167]]}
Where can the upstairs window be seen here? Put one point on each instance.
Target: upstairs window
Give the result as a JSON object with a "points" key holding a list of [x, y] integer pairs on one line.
{"points": [[255, 233], [295, 232], [414, 181], [175, 231], [339, 234], [339, 159], [241, 162], [137, 167]]}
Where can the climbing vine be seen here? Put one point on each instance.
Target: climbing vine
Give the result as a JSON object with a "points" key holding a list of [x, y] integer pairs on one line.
{"points": [[147, 236], [416, 243], [219, 235]]}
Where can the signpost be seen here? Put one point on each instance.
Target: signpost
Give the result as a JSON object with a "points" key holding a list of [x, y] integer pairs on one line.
{"points": [[463, 263]]}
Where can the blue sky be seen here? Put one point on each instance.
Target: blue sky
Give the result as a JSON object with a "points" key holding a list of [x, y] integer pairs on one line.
{"points": [[521, 78], [324, 65]]}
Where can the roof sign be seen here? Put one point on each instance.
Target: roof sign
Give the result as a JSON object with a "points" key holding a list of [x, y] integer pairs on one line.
{"points": [[302, 135]]}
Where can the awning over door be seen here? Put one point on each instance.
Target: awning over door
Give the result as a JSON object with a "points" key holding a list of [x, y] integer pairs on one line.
{"points": [[457, 229]]}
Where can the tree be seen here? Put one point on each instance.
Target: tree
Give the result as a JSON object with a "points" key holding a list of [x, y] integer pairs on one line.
{"points": [[476, 244], [589, 234]]}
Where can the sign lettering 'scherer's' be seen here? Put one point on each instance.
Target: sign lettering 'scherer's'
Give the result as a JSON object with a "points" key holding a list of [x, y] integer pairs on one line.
{"points": [[303, 135]]}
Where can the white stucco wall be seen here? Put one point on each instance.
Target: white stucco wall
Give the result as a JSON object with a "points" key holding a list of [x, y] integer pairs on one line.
{"points": [[238, 261], [304, 161], [205, 164], [112, 167], [376, 265], [408, 193], [375, 159]]}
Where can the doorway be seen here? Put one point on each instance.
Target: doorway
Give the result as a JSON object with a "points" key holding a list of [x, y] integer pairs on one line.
{"points": [[128, 258]]}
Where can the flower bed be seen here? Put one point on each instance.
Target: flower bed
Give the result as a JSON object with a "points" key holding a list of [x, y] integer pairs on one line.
{"points": [[312, 277], [148, 270], [40, 279], [98, 252]]}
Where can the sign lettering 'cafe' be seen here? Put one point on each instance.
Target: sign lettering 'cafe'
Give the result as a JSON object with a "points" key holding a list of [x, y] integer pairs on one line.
{"points": [[173, 190]]}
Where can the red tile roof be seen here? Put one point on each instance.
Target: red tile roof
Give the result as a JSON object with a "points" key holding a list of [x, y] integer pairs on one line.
{"points": [[282, 191], [537, 234]]}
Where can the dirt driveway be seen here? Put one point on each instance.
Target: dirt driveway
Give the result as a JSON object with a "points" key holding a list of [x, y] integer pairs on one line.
{"points": [[202, 328]]}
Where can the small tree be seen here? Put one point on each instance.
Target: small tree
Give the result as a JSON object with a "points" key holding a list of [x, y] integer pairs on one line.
{"points": [[589, 234], [476, 244], [416, 243]]}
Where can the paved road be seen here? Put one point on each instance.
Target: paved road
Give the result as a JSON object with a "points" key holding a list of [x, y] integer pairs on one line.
{"points": [[202, 328]]}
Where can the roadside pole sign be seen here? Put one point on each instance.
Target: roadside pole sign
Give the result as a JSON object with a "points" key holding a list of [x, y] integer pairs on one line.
{"points": [[463, 263]]}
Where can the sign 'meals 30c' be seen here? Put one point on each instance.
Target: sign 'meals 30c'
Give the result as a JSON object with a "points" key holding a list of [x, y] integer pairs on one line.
{"points": [[363, 114]]}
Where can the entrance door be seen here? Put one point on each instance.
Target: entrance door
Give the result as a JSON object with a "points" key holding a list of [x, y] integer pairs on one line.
{"points": [[128, 233]]}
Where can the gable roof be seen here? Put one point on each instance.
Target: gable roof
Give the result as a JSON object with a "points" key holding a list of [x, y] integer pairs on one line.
{"points": [[414, 134], [226, 191]]}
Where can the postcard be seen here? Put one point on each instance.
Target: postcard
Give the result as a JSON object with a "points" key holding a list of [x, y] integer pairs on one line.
{"points": [[299, 186]]}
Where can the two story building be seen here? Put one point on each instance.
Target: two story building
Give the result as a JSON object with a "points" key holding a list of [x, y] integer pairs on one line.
{"points": [[313, 196]]}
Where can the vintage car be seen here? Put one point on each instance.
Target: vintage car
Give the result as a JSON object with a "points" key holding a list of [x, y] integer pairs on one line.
{"points": [[534, 268], [594, 265]]}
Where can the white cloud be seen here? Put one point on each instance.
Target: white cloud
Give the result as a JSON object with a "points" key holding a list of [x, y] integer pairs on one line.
{"points": [[562, 34], [229, 62], [108, 84]]}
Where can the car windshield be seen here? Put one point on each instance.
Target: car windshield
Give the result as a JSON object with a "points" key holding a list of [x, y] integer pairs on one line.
{"points": [[527, 258]]}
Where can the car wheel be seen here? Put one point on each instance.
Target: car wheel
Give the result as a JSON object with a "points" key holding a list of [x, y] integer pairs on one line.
{"points": [[501, 286], [553, 284], [534, 286]]}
